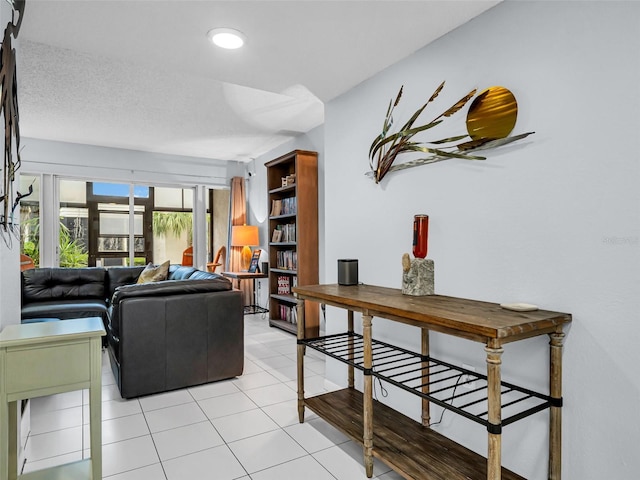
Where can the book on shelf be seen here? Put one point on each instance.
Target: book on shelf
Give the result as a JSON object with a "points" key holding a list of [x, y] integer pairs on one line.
{"points": [[289, 232], [289, 206], [284, 206], [287, 260], [276, 207], [288, 314], [284, 286], [284, 233]]}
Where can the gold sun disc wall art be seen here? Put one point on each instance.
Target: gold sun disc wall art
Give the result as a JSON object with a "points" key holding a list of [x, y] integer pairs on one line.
{"points": [[492, 114], [491, 118]]}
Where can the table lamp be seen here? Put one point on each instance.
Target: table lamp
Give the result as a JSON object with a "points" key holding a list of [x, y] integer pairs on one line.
{"points": [[245, 236]]}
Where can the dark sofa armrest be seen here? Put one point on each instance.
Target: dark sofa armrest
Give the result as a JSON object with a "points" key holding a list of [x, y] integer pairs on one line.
{"points": [[179, 340], [170, 287]]}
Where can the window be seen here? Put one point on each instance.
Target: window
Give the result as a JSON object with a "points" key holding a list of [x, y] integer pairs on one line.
{"points": [[73, 246], [30, 218], [97, 226], [172, 223]]}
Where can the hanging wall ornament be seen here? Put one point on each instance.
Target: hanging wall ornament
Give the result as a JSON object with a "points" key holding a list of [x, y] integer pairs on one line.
{"points": [[9, 106], [490, 119]]}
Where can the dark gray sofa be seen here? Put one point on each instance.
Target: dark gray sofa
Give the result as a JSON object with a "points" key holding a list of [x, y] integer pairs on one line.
{"points": [[181, 332]]}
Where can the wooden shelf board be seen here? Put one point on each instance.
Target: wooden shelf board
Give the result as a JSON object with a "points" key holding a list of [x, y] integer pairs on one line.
{"points": [[286, 326], [80, 470], [288, 188], [414, 451], [284, 298], [284, 270], [284, 215]]}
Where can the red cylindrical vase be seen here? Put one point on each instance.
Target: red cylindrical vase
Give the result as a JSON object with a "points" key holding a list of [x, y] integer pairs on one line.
{"points": [[420, 235]]}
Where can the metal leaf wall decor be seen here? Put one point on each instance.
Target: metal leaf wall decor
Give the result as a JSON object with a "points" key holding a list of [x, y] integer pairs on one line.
{"points": [[490, 119], [9, 108]]}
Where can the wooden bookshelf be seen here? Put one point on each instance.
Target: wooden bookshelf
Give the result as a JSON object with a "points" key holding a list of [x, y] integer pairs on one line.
{"points": [[292, 186]]}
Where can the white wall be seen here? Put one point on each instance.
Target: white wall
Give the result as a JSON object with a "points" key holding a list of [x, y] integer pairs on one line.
{"points": [[552, 221], [88, 161], [9, 244]]}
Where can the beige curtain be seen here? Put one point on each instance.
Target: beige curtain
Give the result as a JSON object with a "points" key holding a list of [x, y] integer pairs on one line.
{"points": [[238, 216]]}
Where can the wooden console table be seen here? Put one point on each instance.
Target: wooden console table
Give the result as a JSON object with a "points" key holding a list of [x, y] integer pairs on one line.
{"points": [[412, 449], [43, 359]]}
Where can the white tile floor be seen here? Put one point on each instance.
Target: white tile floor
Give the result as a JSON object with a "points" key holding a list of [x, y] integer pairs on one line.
{"points": [[243, 428]]}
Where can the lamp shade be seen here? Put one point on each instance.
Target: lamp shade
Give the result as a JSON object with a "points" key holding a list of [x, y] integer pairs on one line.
{"points": [[244, 236]]}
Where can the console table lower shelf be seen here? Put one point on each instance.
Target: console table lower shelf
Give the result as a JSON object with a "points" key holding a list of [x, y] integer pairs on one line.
{"points": [[400, 442]]}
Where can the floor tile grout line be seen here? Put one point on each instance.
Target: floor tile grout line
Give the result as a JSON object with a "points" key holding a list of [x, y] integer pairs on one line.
{"points": [[261, 365], [210, 420], [227, 444], [284, 429], [281, 463], [138, 468], [54, 456], [320, 450], [153, 440]]}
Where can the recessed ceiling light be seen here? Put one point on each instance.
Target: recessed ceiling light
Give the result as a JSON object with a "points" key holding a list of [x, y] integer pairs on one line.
{"points": [[226, 38]]}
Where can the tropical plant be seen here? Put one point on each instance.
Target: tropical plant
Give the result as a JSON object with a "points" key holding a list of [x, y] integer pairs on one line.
{"points": [[175, 223], [30, 237], [72, 253], [32, 251]]}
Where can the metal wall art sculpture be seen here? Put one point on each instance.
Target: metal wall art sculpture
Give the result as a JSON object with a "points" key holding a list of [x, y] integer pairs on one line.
{"points": [[9, 109], [490, 119]]}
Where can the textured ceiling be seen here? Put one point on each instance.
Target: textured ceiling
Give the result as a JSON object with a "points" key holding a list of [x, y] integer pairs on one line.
{"points": [[142, 75]]}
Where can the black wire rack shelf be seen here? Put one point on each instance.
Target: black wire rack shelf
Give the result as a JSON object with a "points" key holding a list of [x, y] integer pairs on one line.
{"points": [[451, 387]]}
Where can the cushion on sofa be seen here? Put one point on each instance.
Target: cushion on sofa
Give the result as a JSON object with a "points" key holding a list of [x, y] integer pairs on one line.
{"points": [[154, 273], [48, 284], [118, 276], [179, 272], [65, 309], [200, 275]]}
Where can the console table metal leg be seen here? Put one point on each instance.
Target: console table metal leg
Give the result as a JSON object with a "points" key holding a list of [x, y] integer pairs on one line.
{"points": [[555, 417], [494, 457], [368, 395], [350, 331], [426, 415], [301, 323]]}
